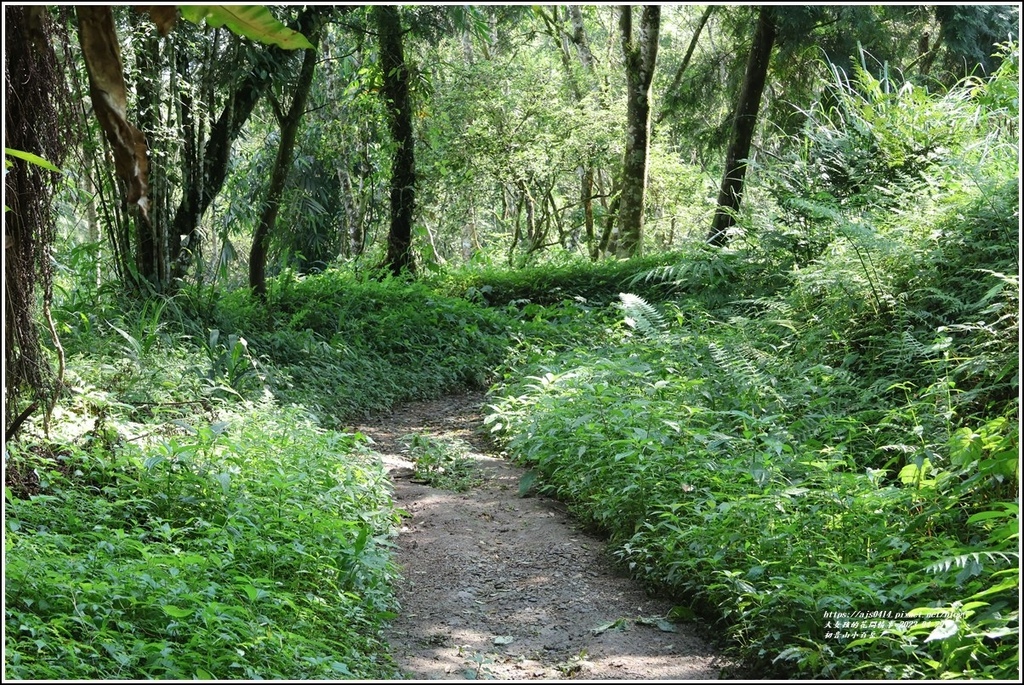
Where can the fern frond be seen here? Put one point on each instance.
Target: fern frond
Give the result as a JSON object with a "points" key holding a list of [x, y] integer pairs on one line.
{"points": [[669, 274], [739, 364], [641, 315], [971, 560]]}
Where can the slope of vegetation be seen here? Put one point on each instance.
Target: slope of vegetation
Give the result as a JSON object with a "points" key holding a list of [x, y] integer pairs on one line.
{"points": [[831, 471]]}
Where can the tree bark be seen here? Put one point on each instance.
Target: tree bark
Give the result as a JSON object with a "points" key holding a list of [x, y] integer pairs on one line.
{"points": [[151, 227], [640, 52], [279, 175], [403, 170], [579, 38], [743, 125], [36, 102], [587, 200], [586, 57]]}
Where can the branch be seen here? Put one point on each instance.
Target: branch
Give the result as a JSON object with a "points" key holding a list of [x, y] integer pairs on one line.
{"points": [[686, 61], [16, 424]]}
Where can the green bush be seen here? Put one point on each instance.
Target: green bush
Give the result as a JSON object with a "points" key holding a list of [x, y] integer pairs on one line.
{"points": [[344, 346], [255, 547], [595, 283], [766, 488]]}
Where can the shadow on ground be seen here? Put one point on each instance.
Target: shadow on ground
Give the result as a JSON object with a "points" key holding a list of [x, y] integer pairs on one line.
{"points": [[504, 587]]}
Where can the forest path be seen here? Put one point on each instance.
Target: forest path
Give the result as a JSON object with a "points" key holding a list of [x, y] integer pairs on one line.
{"points": [[504, 587]]}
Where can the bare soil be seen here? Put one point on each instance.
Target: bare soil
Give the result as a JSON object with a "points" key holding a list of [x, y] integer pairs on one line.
{"points": [[506, 587]]}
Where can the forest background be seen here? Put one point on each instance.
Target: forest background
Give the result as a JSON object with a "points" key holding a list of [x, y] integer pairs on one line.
{"points": [[743, 281]]}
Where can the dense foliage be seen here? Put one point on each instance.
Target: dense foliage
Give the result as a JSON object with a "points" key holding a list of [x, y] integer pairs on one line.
{"points": [[809, 437], [831, 469]]}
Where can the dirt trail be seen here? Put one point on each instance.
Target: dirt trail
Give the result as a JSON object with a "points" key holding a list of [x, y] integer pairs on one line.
{"points": [[504, 587]]}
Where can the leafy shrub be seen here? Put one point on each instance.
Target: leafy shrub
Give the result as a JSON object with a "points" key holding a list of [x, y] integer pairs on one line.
{"points": [[344, 347], [595, 283], [736, 475], [253, 547], [441, 462]]}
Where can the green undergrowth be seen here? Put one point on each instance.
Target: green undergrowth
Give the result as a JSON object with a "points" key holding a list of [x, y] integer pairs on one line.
{"points": [[252, 546], [441, 462], [577, 279], [825, 463], [175, 520], [733, 466], [344, 347]]}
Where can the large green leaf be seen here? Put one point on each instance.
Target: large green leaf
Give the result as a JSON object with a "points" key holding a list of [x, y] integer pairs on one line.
{"points": [[252, 21], [29, 157]]}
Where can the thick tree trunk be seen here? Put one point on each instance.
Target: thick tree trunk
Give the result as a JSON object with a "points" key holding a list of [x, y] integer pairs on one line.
{"points": [[35, 96], [640, 53], [403, 170], [279, 175], [743, 125]]}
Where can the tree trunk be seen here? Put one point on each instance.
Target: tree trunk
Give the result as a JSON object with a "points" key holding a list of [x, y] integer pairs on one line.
{"points": [[403, 170], [35, 94], [587, 199], [198, 196], [610, 236], [579, 38], [743, 125], [151, 226], [279, 175], [101, 51], [640, 54], [586, 57]]}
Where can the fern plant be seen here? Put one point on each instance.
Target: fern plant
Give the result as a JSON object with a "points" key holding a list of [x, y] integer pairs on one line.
{"points": [[641, 315]]}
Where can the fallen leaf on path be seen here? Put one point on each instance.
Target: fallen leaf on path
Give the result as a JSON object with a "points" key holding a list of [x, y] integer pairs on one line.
{"points": [[659, 623], [617, 624]]}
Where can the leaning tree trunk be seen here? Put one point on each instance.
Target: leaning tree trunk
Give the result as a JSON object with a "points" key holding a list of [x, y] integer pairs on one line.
{"points": [[282, 163], [743, 125], [641, 52], [403, 170]]}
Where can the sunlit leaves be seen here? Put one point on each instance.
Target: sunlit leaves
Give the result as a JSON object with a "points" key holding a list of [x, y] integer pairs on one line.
{"points": [[252, 21], [210, 544]]}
